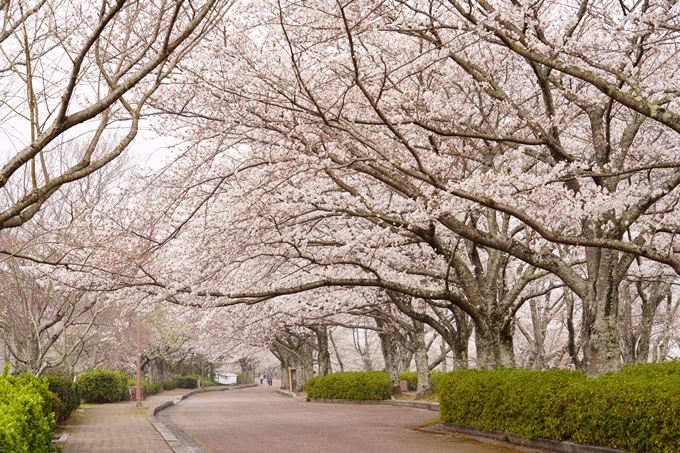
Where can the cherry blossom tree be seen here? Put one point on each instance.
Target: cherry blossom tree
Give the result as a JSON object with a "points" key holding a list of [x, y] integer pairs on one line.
{"points": [[76, 78], [495, 115], [473, 156], [42, 328]]}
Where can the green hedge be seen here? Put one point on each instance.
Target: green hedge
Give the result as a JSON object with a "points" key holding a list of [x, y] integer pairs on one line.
{"points": [[101, 386], [351, 385], [26, 418], [182, 382], [68, 397], [637, 409], [412, 378], [186, 382], [151, 389]]}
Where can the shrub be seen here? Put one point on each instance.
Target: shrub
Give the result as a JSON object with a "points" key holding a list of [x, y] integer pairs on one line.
{"points": [[435, 379], [101, 386], [351, 385], [68, 395], [58, 409], [637, 409], [151, 389], [123, 378], [26, 418], [169, 385], [412, 378], [186, 382]]}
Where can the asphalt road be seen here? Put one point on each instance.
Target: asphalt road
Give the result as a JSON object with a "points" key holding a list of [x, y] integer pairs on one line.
{"points": [[260, 420]]}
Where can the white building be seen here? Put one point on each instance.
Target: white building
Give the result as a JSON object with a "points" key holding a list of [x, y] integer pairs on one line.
{"points": [[225, 378]]}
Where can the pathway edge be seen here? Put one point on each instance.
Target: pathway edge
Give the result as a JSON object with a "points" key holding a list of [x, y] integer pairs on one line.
{"points": [[546, 444], [163, 430]]}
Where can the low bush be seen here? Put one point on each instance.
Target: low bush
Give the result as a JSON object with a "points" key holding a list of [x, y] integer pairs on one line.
{"points": [[26, 418], [151, 389], [412, 378], [186, 382], [351, 385], [435, 379], [637, 409], [169, 385], [68, 394], [102, 386]]}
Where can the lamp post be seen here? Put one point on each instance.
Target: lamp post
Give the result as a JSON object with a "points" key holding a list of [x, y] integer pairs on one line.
{"points": [[138, 391]]}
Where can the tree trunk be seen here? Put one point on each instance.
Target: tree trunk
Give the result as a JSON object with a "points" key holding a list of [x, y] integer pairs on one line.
{"points": [[650, 306], [442, 348], [324, 356], [495, 347], [601, 348], [627, 331], [424, 387], [297, 353], [337, 353], [388, 346], [539, 335]]}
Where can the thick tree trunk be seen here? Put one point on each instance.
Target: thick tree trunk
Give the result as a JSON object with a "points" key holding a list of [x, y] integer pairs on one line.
{"points": [[461, 341], [389, 348], [539, 335], [295, 353], [420, 353], [601, 347], [666, 334], [495, 347], [659, 292], [627, 331], [158, 370], [323, 356]]}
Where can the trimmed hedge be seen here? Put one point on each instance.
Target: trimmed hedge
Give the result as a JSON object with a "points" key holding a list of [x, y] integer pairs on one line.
{"points": [[151, 389], [186, 382], [26, 418], [101, 386], [412, 378], [351, 385], [181, 382], [637, 409], [68, 397]]}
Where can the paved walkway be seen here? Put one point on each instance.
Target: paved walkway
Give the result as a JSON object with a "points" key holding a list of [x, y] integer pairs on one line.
{"points": [[118, 428], [258, 419]]}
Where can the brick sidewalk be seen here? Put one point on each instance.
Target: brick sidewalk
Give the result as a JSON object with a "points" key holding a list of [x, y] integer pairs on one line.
{"points": [[118, 428]]}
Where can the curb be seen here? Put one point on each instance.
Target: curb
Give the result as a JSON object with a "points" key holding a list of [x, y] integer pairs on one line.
{"points": [[67, 431], [170, 438], [413, 404], [546, 444], [287, 393]]}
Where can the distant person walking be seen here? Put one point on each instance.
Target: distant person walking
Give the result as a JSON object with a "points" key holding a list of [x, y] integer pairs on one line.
{"points": [[261, 378], [269, 379]]}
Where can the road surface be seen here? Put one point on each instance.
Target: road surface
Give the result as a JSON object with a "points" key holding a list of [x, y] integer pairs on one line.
{"points": [[259, 420]]}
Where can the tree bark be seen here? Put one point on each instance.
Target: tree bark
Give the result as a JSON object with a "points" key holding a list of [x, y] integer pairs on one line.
{"points": [[422, 366]]}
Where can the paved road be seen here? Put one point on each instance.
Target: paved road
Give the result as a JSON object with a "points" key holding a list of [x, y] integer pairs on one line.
{"points": [[259, 420]]}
